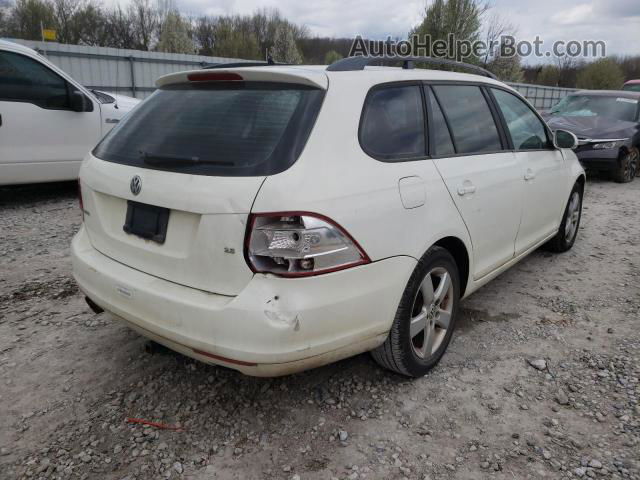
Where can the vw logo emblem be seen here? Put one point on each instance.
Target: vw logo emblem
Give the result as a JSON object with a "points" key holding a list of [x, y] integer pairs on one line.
{"points": [[136, 185]]}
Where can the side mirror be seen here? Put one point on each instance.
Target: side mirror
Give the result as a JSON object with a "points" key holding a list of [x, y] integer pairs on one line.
{"points": [[80, 103], [564, 139]]}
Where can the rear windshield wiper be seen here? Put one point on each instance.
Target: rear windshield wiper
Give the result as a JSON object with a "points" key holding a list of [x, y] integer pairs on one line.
{"points": [[161, 160]]}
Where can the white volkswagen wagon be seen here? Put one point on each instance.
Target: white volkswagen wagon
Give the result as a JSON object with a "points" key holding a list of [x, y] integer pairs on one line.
{"points": [[274, 218]]}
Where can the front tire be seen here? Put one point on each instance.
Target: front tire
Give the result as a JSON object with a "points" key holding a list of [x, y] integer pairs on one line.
{"points": [[425, 318], [627, 168], [568, 231]]}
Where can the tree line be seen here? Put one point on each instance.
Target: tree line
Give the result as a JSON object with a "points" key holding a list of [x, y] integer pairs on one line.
{"points": [[157, 25], [477, 20], [607, 73]]}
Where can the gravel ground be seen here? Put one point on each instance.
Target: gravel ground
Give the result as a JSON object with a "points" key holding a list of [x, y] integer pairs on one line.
{"points": [[541, 379]]}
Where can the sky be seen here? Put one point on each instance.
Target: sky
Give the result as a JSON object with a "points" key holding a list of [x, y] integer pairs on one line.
{"points": [[617, 22]]}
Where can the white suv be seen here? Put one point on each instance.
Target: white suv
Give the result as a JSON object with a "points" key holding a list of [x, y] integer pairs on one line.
{"points": [[277, 218]]}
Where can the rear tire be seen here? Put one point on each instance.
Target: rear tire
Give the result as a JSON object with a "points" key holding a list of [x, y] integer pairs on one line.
{"points": [[425, 318], [627, 168], [568, 231]]}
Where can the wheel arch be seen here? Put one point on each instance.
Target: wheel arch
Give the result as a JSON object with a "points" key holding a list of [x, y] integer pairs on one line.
{"points": [[458, 250], [625, 149], [581, 180]]}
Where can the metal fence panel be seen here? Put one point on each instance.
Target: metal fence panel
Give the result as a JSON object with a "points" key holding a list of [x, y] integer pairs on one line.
{"points": [[541, 96], [134, 72], [128, 72]]}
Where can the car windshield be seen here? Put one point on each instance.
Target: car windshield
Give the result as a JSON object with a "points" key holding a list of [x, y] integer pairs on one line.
{"points": [[632, 87], [618, 108], [219, 128]]}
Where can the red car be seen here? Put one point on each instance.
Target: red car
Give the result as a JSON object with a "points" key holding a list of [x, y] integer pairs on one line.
{"points": [[632, 85]]}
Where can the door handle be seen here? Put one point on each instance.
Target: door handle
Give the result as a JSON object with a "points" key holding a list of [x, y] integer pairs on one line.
{"points": [[529, 175], [466, 190]]}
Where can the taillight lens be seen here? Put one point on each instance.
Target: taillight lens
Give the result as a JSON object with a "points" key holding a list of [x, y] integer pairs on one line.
{"points": [[300, 244]]}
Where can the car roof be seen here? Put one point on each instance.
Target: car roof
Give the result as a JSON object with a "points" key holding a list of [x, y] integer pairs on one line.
{"points": [[609, 93], [318, 76], [386, 74], [381, 71], [632, 82]]}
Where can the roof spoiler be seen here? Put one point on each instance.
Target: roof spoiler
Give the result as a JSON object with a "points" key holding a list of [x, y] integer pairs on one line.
{"points": [[351, 64]]}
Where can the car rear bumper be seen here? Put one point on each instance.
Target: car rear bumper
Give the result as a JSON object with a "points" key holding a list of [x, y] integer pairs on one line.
{"points": [[275, 326]]}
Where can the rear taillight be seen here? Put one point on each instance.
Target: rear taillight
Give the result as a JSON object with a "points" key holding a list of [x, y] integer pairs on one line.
{"points": [[80, 199], [292, 244]]}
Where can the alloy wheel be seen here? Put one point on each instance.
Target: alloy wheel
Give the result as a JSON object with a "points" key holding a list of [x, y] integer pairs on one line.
{"points": [[632, 164], [431, 313], [573, 217]]}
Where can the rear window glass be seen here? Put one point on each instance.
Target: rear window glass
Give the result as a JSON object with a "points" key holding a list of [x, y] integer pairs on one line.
{"points": [[392, 125], [221, 129], [470, 119]]}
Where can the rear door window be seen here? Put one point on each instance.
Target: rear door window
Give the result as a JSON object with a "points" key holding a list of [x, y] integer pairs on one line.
{"points": [[393, 126], [441, 143], [217, 128], [472, 124]]}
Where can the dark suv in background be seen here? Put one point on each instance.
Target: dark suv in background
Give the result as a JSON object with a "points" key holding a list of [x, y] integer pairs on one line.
{"points": [[607, 124]]}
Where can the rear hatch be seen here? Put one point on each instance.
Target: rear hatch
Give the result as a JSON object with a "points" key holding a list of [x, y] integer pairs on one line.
{"points": [[169, 190]]}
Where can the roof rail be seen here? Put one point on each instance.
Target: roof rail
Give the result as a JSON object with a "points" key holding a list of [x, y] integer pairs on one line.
{"points": [[350, 64]]}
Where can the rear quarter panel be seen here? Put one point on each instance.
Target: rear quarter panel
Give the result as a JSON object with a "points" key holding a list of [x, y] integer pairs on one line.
{"points": [[334, 177]]}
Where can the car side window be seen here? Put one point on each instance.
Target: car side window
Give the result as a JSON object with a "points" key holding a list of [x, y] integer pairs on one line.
{"points": [[526, 129], [23, 79], [441, 143], [393, 126], [470, 119]]}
